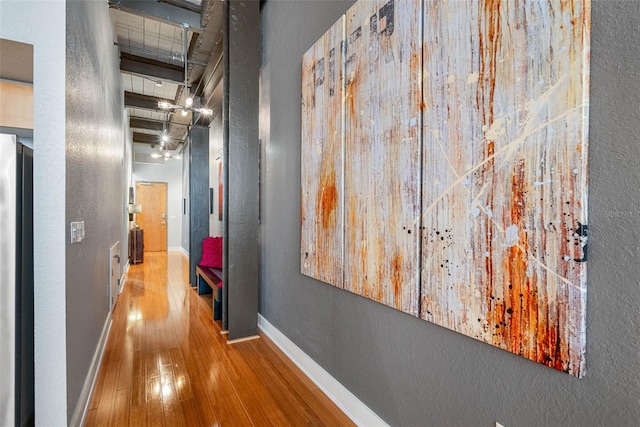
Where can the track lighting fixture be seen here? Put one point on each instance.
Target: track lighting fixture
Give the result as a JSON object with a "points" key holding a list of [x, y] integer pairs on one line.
{"points": [[164, 105], [171, 107]]}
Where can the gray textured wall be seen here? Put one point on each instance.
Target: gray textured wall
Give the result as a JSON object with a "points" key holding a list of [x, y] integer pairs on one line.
{"points": [[94, 180], [411, 372], [215, 155]]}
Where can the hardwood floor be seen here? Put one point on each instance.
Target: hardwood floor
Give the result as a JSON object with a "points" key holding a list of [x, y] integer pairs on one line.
{"points": [[166, 363]]}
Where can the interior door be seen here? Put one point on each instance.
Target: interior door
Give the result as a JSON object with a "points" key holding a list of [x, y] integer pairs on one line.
{"points": [[114, 281], [152, 197]]}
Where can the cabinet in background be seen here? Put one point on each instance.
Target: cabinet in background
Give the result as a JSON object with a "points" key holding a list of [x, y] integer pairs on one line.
{"points": [[136, 246]]}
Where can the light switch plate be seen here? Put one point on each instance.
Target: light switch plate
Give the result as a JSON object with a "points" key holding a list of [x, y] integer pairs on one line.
{"points": [[77, 231]]}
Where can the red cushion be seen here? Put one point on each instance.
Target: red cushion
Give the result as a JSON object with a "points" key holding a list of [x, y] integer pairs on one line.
{"points": [[212, 252]]}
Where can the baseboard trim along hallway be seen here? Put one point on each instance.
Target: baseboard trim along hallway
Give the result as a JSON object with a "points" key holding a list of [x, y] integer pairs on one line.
{"points": [[343, 398], [80, 413]]}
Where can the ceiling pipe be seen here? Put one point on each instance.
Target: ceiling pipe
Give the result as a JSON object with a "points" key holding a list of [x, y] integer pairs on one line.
{"points": [[185, 44]]}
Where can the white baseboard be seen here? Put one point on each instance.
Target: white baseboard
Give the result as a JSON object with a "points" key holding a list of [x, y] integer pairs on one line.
{"points": [[178, 249], [343, 398], [123, 281], [80, 413]]}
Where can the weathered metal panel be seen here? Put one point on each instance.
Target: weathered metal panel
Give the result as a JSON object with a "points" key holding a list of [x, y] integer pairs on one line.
{"points": [[322, 158], [382, 151], [504, 178]]}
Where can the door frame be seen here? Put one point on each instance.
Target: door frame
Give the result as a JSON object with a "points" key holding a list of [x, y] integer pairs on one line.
{"points": [[166, 206]]}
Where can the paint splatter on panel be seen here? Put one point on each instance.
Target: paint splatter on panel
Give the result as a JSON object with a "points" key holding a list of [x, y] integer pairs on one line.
{"points": [[505, 92], [382, 151], [322, 159]]}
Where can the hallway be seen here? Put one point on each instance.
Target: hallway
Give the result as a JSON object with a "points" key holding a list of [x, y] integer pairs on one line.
{"points": [[166, 363]]}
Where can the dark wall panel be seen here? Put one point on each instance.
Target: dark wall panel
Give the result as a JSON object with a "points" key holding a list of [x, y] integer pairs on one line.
{"points": [[198, 195], [241, 149]]}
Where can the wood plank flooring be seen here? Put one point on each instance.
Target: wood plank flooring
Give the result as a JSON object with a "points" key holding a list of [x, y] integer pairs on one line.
{"points": [[166, 364]]}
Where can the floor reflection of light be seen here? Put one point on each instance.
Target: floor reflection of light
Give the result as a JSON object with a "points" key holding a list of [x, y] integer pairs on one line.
{"points": [[134, 315], [163, 386], [166, 390]]}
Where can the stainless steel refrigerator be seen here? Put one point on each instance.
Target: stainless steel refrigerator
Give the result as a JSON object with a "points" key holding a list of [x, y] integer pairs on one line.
{"points": [[16, 283]]}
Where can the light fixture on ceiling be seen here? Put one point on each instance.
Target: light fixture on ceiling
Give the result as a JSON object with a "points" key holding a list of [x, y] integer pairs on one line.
{"points": [[158, 83], [164, 105], [185, 110]]}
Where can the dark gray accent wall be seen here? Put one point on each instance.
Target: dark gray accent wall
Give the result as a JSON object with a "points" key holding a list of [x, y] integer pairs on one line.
{"points": [[94, 181], [198, 195], [240, 147], [411, 372]]}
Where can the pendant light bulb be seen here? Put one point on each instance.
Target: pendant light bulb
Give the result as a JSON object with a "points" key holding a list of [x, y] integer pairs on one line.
{"points": [[189, 101], [184, 112]]}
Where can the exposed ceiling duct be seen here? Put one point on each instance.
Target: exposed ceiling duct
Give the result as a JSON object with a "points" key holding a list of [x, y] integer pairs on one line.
{"points": [[165, 47]]}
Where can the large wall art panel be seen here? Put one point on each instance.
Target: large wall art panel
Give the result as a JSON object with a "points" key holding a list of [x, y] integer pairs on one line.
{"points": [[382, 151], [504, 176], [322, 158]]}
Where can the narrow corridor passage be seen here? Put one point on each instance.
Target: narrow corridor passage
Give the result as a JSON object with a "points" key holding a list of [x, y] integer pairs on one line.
{"points": [[166, 363]]}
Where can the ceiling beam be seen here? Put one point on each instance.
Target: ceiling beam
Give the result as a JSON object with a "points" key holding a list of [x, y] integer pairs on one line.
{"points": [[151, 124], [145, 138], [160, 11], [148, 67], [136, 100], [183, 4], [136, 123]]}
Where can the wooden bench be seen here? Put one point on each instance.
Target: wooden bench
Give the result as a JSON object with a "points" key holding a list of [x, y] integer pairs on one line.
{"points": [[210, 279]]}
